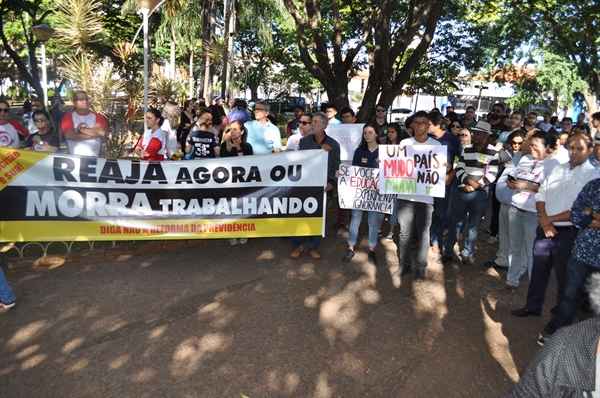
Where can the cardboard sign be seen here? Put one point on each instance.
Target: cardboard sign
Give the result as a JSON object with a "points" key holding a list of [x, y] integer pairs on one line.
{"points": [[413, 170], [358, 188]]}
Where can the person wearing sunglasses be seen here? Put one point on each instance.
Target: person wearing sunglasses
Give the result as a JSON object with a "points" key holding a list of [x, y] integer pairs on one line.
{"points": [[380, 118], [304, 129], [82, 128], [455, 126], [45, 139], [11, 132]]}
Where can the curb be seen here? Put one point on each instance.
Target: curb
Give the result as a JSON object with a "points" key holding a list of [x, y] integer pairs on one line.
{"points": [[55, 260]]}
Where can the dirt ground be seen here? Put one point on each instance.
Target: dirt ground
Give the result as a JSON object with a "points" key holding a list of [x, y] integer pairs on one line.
{"points": [[213, 320]]}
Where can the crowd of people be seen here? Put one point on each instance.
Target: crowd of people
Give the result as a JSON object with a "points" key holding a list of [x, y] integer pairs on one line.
{"points": [[539, 178]]}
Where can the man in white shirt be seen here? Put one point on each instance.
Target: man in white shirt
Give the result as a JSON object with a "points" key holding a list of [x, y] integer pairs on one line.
{"points": [[555, 234], [415, 210], [82, 128]]}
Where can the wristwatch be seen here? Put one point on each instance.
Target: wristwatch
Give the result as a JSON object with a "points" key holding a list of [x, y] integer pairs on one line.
{"points": [[79, 130]]}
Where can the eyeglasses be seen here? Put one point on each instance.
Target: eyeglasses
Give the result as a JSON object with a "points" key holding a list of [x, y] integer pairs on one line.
{"points": [[259, 109], [516, 143], [82, 99], [302, 122], [420, 124], [462, 135], [40, 120], [497, 110], [5, 110], [380, 110], [455, 126]]}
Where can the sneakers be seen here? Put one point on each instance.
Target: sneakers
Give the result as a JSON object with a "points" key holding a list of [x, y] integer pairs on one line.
{"points": [[541, 342], [242, 241], [314, 254], [233, 242], [348, 256], [379, 233], [492, 240], [506, 287], [390, 237], [467, 260], [420, 276], [8, 305], [372, 257], [297, 252]]}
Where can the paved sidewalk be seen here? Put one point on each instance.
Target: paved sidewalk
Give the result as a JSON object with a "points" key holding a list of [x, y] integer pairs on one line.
{"points": [[214, 320]]}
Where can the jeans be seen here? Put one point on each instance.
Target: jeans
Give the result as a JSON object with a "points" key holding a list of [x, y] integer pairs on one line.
{"points": [[521, 235], [313, 241], [475, 204], [549, 253], [373, 218], [503, 240], [7, 293], [440, 207], [420, 213], [577, 273]]}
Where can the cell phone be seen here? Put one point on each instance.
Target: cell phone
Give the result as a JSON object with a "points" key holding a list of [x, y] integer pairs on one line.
{"points": [[511, 178]]}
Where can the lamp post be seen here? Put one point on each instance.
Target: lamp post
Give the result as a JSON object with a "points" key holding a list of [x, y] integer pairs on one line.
{"points": [[146, 6], [246, 65], [43, 33]]}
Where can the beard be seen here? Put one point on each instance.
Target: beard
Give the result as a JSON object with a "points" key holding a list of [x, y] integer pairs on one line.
{"points": [[495, 116]]}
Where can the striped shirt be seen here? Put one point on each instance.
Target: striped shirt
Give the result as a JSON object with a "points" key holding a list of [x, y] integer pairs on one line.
{"points": [[480, 166]]}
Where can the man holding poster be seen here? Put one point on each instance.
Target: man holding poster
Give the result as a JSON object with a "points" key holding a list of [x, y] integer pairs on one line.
{"points": [[415, 210], [476, 170]]}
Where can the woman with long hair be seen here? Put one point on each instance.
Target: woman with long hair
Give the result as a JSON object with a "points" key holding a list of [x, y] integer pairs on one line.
{"points": [[171, 112], [394, 136], [186, 123], [45, 139], [455, 126], [366, 155], [235, 144], [152, 144]]}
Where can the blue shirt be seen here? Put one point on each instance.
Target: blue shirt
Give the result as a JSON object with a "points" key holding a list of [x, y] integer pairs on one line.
{"points": [[453, 146], [587, 243], [366, 158], [264, 138]]}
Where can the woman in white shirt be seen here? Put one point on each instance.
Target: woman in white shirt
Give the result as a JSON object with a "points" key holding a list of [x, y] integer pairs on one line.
{"points": [[525, 180]]}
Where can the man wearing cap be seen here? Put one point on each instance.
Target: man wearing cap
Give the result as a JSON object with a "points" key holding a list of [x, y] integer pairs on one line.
{"points": [[476, 170]]}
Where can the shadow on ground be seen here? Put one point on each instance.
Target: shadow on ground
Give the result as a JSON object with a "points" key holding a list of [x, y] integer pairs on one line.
{"points": [[213, 320]]}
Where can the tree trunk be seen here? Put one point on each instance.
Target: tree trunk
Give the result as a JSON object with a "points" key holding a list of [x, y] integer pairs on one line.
{"points": [[172, 54], [191, 91]]}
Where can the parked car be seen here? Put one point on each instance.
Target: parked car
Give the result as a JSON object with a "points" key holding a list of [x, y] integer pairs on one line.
{"points": [[399, 115]]}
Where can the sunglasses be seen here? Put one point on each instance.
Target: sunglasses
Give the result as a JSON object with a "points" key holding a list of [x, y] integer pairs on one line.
{"points": [[4, 110], [40, 120], [462, 135], [516, 143], [302, 122], [455, 126], [379, 110]]}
